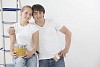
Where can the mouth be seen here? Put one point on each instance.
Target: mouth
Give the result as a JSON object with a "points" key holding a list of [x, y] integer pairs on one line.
{"points": [[37, 18], [27, 18]]}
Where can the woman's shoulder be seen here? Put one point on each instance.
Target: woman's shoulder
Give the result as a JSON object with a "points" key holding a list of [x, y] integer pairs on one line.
{"points": [[31, 24]]}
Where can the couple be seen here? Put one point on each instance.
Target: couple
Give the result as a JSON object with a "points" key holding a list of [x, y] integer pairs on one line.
{"points": [[42, 36]]}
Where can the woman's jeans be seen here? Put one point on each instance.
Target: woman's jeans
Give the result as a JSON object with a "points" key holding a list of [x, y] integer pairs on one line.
{"points": [[52, 63], [22, 62]]}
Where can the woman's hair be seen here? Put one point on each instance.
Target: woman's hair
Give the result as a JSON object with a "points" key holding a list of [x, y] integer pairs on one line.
{"points": [[26, 6], [38, 7]]}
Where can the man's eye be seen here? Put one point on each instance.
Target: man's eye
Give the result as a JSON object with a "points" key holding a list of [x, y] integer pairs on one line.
{"points": [[35, 13]]}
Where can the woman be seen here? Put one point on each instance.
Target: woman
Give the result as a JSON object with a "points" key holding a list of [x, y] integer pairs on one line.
{"points": [[26, 34]]}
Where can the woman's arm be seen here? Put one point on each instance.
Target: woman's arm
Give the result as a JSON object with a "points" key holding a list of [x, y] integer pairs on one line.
{"points": [[12, 42]]}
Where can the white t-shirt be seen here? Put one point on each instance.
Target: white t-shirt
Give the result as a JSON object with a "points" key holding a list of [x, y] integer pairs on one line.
{"points": [[48, 39], [24, 34]]}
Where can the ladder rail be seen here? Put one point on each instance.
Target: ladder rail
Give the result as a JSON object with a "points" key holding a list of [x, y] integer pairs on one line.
{"points": [[18, 3], [3, 40]]}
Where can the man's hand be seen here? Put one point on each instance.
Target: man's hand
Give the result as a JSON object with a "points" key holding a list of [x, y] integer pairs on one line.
{"points": [[63, 52], [29, 54]]}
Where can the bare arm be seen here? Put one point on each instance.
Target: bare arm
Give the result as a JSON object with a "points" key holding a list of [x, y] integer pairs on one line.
{"points": [[67, 33], [35, 41], [35, 38], [11, 32], [12, 42]]}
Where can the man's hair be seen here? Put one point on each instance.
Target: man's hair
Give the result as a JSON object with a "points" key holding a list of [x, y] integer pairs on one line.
{"points": [[38, 7]]}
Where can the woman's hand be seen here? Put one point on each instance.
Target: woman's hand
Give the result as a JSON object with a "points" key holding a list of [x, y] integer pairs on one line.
{"points": [[11, 30], [14, 54]]}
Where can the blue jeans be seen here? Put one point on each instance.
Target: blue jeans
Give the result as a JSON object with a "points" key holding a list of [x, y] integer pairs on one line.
{"points": [[22, 62], [52, 63]]}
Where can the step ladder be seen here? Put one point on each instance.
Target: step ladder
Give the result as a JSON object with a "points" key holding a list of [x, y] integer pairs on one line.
{"points": [[3, 23]]}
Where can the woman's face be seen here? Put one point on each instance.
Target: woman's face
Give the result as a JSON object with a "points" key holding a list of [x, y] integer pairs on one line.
{"points": [[26, 14]]}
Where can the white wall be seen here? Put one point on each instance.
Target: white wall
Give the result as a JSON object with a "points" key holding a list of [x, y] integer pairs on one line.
{"points": [[82, 17]]}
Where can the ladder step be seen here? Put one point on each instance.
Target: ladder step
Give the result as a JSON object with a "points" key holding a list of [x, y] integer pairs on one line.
{"points": [[9, 22], [10, 9], [7, 65], [6, 36], [6, 50]]}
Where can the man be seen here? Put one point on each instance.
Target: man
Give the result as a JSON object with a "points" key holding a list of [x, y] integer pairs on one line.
{"points": [[50, 52]]}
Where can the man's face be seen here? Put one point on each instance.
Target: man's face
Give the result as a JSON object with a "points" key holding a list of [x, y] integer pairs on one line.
{"points": [[37, 15]]}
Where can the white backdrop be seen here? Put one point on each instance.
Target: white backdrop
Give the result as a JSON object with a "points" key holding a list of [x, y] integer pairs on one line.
{"points": [[82, 17]]}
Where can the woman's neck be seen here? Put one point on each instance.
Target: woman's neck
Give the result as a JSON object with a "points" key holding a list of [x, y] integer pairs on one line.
{"points": [[23, 23]]}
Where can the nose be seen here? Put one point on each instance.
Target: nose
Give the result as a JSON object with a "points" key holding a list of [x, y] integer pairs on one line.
{"points": [[38, 14], [28, 15]]}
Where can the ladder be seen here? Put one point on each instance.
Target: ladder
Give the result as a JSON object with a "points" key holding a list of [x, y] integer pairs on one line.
{"points": [[3, 23]]}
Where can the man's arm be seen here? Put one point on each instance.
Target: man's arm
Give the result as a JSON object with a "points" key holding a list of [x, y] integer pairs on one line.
{"points": [[67, 33], [35, 39]]}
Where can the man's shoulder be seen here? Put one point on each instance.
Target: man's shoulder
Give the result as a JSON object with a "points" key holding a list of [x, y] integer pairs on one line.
{"points": [[49, 21]]}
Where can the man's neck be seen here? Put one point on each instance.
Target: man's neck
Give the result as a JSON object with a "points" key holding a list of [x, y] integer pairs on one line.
{"points": [[40, 22]]}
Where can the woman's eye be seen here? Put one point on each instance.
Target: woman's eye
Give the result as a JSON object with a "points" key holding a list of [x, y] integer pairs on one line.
{"points": [[26, 12]]}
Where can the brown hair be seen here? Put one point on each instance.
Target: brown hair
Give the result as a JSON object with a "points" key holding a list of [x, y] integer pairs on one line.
{"points": [[38, 7]]}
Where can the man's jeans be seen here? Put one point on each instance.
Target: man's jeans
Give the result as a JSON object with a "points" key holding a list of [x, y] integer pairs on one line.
{"points": [[52, 63], [22, 62]]}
